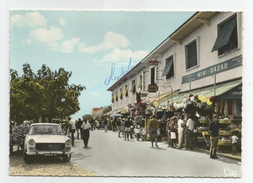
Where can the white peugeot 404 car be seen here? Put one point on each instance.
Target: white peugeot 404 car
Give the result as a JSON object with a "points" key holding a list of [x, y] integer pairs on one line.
{"points": [[47, 139]]}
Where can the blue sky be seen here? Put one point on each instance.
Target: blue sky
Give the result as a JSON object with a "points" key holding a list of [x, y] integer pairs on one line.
{"points": [[87, 43]]}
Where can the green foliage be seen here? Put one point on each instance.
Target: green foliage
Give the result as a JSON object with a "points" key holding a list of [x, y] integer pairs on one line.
{"points": [[46, 94], [107, 109], [88, 116]]}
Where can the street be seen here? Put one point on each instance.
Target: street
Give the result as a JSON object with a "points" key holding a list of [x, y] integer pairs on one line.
{"points": [[108, 155]]}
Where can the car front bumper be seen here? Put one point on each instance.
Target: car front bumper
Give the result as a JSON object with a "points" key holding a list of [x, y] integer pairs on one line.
{"points": [[48, 153]]}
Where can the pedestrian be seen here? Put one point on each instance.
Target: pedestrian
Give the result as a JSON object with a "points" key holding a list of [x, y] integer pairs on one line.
{"points": [[72, 129], [114, 124], [127, 128], [123, 126], [189, 133], [180, 131], [214, 136], [168, 131], [173, 138], [138, 132], [118, 125], [195, 132], [86, 132], [153, 126], [105, 124], [78, 128], [92, 124], [234, 140]]}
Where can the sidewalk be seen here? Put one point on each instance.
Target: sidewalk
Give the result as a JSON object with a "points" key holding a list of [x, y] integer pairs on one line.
{"points": [[228, 155]]}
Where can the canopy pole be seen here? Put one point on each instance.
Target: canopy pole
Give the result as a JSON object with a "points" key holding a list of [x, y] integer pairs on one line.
{"points": [[171, 94], [214, 85]]}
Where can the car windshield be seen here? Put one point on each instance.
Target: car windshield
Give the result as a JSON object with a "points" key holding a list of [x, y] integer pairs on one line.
{"points": [[45, 129]]}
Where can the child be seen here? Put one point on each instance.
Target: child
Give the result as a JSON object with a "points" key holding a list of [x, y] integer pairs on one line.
{"points": [[234, 140], [138, 132]]}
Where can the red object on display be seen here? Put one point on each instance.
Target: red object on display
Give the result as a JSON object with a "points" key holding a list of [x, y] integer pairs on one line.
{"points": [[212, 99], [190, 95], [168, 101]]}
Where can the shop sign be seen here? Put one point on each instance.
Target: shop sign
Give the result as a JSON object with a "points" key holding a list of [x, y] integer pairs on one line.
{"points": [[153, 62], [152, 88], [144, 95], [223, 66]]}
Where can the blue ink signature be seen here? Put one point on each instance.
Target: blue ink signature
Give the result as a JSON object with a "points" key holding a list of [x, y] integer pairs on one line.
{"points": [[116, 78]]}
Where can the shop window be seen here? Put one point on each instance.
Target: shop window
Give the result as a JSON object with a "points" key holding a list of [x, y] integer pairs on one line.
{"points": [[227, 38], [191, 55], [169, 68]]}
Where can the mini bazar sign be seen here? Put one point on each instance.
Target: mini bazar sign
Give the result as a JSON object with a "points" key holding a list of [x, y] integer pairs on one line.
{"points": [[224, 66]]}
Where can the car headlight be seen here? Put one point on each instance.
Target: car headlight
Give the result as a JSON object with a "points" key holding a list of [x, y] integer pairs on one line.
{"points": [[68, 142], [31, 142]]}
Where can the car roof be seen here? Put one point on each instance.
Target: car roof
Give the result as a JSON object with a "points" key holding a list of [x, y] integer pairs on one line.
{"points": [[41, 124]]}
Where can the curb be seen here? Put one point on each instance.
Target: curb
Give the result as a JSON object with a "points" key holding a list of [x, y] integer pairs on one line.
{"points": [[220, 154]]}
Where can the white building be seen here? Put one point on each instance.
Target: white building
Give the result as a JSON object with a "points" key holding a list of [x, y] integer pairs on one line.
{"points": [[203, 56]]}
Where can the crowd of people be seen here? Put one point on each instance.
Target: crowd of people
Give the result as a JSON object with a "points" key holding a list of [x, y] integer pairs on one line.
{"points": [[180, 132]]}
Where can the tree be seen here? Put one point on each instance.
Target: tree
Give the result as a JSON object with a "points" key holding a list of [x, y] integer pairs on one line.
{"points": [[46, 94], [107, 109], [88, 116]]}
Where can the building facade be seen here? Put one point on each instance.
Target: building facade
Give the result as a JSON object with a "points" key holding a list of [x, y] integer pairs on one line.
{"points": [[203, 56]]}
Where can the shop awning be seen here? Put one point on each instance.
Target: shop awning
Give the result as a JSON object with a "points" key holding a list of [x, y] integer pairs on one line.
{"points": [[165, 97], [125, 110], [209, 91], [224, 34], [167, 67]]}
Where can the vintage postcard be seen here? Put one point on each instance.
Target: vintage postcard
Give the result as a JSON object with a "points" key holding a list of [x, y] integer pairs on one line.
{"points": [[126, 93]]}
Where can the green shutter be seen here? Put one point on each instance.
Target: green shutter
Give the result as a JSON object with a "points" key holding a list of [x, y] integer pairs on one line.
{"points": [[167, 67], [132, 87], [224, 34]]}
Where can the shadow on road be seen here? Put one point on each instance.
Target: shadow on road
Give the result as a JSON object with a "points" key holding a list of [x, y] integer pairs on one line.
{"points": [[157, 148], [18, 155]]}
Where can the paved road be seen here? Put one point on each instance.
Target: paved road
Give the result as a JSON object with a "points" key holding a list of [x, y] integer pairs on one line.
{"points": [[108, 155]]}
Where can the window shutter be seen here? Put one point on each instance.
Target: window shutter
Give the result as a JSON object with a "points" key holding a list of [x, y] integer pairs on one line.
{"points": [[167, 67], [224, 33]]}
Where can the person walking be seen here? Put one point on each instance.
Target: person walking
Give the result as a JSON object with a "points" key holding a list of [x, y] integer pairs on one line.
{"points": [[123, 126], [180, 131], [127, 128], [173, 137], [105, 124], [86, 132], [78, 128], [153, 126], [118, 125], [214, 136], [72, 129], [189, 132], [234, 140]]}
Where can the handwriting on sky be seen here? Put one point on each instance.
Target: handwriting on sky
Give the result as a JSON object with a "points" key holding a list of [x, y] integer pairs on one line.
{"points": [[115, 77]]}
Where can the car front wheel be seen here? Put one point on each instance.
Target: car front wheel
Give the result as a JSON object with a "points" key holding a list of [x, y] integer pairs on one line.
{"points": [[67, 157], [25, 156]]}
